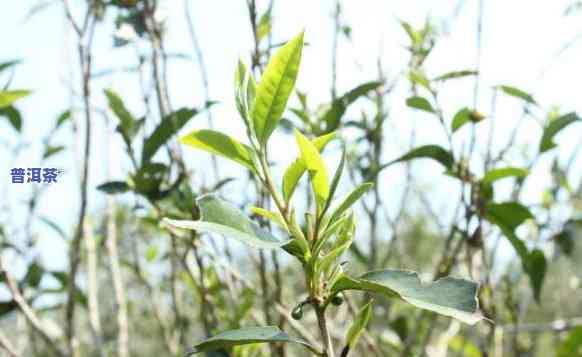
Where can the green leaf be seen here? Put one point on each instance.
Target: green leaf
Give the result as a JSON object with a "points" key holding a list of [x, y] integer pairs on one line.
{"points": [[8, 64], [13, 116], [358, 326], [316, 167], [332, 117], [220, 144], [456, 74], [126, 119], [418, 77], [498, 174], [517, 93], [168, 127], [245, 336], [420, 103], [553, 128], [221, 217], [66, 115], [464, 347], [52, 150], [264, 26], [414, 36], [275, 87], [461, 118], [297, 168], [349, 200], [571, 346], [434, 152], [114, 187], [274, 217], [448, 296], [508, 216], [244, 89], [7, 97]]}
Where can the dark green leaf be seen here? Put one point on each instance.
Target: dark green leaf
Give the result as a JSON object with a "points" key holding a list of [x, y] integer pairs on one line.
{"points": [[275, 87], [245, 336], [420, 103], [114, 187], [66, 115], [52, 150], [553, 128], [13, 115], [434, 152], [332, 117], [221, 217], [168, 127], [508, 216], [447, 296], [8, 64]]}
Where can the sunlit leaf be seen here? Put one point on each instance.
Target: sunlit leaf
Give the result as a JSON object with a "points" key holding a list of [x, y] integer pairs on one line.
{"points": [[316, 167], [7, 97], [275, 87], [220, 144], [349, 200], [297, 168]]}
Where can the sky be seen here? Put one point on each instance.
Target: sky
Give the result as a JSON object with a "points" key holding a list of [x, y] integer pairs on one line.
{"points": [[520, 44]]}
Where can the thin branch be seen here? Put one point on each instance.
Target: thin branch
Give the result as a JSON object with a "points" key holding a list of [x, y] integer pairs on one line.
{"points": [[27, 311]]}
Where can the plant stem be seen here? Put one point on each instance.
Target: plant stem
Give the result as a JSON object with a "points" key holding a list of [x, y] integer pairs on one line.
{"points": [[322, 322]]}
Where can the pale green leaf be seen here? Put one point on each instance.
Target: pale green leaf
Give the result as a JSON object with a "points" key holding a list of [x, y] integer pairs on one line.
{"points": [[221, 217], [501, 173], [448, 296], [517, 93]]}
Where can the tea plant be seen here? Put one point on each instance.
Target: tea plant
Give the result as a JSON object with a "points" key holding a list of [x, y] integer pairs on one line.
{"points": [[328, 227]]}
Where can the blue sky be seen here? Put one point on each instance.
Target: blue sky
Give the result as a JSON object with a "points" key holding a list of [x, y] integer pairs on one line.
{"points": [[520, 41]]}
